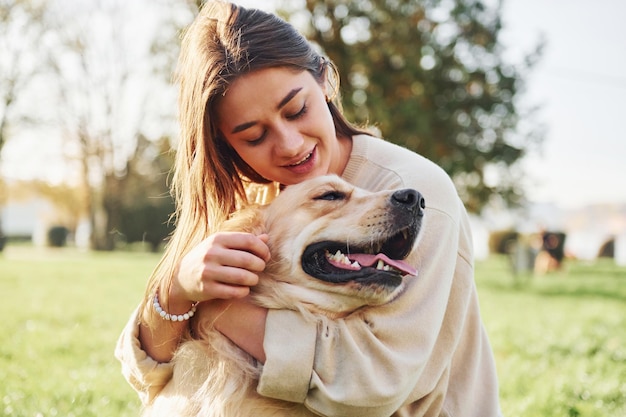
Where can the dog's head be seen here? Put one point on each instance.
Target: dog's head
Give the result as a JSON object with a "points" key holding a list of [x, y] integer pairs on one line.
{"points": [[336, 247]]}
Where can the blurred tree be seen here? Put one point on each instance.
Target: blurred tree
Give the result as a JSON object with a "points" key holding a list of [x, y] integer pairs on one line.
{"points": [[146, 205], [112, 73], [22, 29], [20, 35], [430, 75]]}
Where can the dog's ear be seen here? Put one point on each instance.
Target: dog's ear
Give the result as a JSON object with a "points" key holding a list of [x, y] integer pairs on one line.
{"points": [[249, 219]]}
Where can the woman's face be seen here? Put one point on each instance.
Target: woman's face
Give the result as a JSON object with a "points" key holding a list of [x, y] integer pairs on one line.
{"points": [[278, 121]]}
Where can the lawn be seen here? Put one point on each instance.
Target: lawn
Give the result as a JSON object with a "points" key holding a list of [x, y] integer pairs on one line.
{"points": [[559, 340], [62, 312]]}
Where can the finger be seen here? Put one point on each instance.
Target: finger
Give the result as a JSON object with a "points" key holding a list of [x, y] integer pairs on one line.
{"points": [[233, 276], [256, 245], [234, 258], [227, 292], [248, 242]]}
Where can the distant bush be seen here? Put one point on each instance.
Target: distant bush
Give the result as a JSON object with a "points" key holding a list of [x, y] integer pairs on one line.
{"points": [[503, 241], [607, 250], [147, 223], [57, 236]]}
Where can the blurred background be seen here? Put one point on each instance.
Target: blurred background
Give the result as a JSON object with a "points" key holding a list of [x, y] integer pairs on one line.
{"points": [[520, 101]]}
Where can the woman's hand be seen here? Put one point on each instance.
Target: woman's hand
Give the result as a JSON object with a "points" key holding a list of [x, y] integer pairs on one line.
{"points": [[223, 266]]}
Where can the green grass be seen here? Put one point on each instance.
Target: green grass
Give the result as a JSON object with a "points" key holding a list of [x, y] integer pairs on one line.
{"points": [[559, 340], [62, 312]]}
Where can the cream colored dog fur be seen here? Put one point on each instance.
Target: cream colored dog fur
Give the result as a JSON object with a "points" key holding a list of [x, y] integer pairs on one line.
{"points": [[335, 249]]}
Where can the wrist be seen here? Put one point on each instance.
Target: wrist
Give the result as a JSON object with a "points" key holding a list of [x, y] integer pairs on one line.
{"points": [[171, 309], [173, 299]]}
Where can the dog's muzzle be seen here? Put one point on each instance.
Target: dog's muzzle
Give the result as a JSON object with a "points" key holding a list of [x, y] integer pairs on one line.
{"points": [[372, 262]]}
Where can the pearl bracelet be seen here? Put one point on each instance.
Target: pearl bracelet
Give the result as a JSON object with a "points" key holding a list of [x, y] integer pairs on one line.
{"points": [[172, 317]]}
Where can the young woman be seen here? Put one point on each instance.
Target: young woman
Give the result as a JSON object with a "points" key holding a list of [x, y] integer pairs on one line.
{"points": [[259, 109]]}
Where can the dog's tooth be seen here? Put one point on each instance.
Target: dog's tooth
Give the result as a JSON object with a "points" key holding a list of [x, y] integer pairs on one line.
{"points": [[380, 265], [356, 264], [405, 234]]}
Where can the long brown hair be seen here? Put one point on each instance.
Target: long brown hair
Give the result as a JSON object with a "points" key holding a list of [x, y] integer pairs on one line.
{"points": [[210, 179]]}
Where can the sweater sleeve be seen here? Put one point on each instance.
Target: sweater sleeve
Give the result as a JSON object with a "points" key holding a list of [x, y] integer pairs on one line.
{"points": [[144, 374]]}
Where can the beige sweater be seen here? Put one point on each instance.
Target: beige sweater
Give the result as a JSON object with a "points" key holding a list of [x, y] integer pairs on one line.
{"points": [[424, 354]]}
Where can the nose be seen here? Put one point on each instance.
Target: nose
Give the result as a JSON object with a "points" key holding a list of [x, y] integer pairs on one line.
{"points": [[288, 142], [409, 199]]}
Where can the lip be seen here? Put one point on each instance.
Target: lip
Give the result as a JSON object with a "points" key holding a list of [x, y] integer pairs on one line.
{"points": [[303, 164]]}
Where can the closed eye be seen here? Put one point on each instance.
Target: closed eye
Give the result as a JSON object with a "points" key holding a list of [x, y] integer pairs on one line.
{"points": [[299, 114], [331, 196], [258, 140]]}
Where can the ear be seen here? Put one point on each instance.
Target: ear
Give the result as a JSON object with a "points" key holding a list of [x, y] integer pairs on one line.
{"points": [[249, 219], [330, 80]]}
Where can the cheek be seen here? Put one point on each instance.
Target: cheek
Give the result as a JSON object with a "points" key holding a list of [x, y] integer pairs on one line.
{"points": [[323, 121], [256, 157]]}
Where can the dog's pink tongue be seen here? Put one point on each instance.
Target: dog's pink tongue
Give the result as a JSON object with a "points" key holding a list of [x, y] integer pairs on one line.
{"points": [[365, 259]]}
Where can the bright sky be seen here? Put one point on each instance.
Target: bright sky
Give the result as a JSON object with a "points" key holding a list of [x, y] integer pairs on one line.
{"points": [[580, 84]]}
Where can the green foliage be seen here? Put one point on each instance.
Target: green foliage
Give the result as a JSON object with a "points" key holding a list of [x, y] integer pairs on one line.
{"points": [[139, 204], [559, 340], [430, 75], [147, 222]]}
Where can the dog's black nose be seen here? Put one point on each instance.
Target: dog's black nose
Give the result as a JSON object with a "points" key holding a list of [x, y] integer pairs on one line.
{"points": [[411, 199]]}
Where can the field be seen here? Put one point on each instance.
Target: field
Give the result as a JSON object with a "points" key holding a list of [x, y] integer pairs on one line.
{"points": [[559, 340]]}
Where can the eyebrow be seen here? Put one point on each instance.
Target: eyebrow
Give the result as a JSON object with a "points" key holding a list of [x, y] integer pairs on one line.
{"points": [[288, 97], [283, 102]]}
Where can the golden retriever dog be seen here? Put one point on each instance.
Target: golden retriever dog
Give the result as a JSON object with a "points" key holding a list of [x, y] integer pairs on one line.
{"points": [[335, 249]]}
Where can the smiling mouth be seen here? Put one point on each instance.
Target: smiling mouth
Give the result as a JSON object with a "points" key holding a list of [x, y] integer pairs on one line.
{"points": [[302, 161]]}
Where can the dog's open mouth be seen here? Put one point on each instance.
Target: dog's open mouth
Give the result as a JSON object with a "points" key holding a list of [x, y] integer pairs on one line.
{"points": [[378, 262]]}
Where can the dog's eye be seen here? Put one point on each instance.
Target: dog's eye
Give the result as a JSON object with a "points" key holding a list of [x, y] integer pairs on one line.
{"points": [[331, 196]]}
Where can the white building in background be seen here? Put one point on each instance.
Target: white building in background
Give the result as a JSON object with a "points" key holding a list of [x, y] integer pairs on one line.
{"points": [[30, 217]]}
